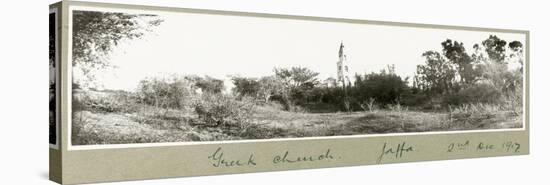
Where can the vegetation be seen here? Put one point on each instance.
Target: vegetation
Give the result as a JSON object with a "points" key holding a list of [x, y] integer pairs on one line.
{"points": [[96, 34], [452, 90]]}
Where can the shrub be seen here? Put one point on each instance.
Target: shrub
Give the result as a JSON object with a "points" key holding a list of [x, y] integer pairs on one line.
{"points": [[245, 86], [128, 102], [397, 108], [369, 105], [116, 101], [513, 100], [384, 87], [172, 92], [476, 109], [479, 93], [218, 110], [80, 130], [207, 84]]}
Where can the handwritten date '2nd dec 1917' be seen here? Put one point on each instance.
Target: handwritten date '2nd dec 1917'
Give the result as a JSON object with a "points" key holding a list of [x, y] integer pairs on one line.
{"points": [[507, 146]]}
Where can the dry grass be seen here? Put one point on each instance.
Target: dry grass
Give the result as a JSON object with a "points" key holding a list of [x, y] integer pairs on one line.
{"points": [[148, 124]]}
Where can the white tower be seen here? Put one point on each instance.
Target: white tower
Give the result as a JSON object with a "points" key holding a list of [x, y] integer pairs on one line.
{"points": [[342, 68]]}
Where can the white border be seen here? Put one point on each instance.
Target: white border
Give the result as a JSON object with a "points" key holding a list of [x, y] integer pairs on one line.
{"points": [[57, 78], [144, 145]]}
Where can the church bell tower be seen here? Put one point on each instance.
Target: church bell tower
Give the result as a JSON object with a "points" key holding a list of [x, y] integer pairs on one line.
{"points": [[342, 68]]}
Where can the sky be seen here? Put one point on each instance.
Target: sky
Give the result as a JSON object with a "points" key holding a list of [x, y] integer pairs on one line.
{"points": [[222, 45]]}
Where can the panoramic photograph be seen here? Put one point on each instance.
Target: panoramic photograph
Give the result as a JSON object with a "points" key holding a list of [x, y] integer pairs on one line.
{"points": [[189, 77]]}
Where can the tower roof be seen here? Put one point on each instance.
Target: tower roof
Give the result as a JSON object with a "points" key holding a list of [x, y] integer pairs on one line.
{"points": [[341, 52]]}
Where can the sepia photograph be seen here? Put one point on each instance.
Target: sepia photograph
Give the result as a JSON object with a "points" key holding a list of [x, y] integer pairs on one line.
{"points": [[159, 77], [53, 77]]}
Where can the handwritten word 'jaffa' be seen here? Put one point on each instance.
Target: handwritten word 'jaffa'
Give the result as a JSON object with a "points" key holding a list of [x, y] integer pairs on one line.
{"points": [[394, 151]]}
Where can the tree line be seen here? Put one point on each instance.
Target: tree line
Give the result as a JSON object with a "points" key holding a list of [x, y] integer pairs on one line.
{"points": [[451, 76]]}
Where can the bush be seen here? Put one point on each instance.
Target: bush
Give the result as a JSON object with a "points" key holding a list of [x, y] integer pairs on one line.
{"points": [[369, 105], [419, 99], [246, 86], [115, 101], [218, 110], [207, 83], [476, 109], [513, 100], [384, 87], [173, 92], [479, 93]]}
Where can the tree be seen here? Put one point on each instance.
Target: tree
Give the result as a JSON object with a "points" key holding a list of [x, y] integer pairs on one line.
{"points": [[269, 86], [263, 88], [495, 48], [437, 75], [245, 86], [517, 52], [456, 53], [170, 92], [495, 68], [208, 84], [296, 76], [96, 34], [385, 87], [296, 83], [457, 75]]}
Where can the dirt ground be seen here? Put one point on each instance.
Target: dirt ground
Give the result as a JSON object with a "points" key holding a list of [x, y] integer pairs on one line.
{"points": [[175, 126]]}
